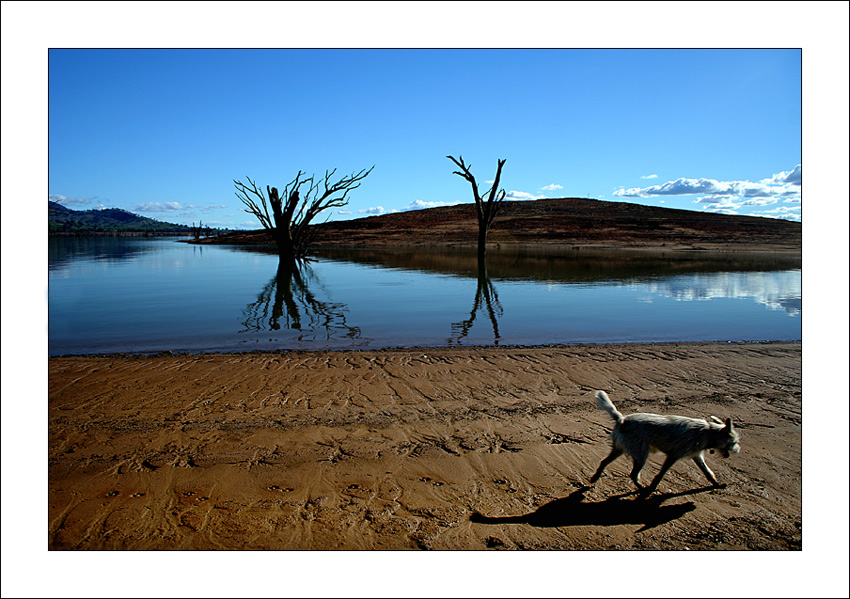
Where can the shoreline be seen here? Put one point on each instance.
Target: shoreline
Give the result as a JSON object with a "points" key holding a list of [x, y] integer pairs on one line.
{"points": [[453, 448], [414, 348], [256, 241]]}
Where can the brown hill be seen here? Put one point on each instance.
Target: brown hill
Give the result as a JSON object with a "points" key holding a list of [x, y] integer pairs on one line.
{"points": [[563, 223]]}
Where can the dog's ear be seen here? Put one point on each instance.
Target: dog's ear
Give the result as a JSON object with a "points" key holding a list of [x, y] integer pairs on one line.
{"points": [[729, 423], [715, 420]]}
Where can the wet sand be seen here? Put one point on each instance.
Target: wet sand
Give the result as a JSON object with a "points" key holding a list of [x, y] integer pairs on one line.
{"points": [[438, 448]]}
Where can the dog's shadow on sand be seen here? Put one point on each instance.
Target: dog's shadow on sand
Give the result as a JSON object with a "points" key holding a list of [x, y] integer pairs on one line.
{"points": [[618, 509]]}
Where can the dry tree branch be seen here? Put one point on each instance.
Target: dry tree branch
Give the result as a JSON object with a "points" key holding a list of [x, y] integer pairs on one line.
{"points": [[261, 209], [487, 204]]}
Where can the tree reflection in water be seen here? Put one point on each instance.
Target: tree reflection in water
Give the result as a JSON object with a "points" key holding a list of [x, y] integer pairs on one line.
{"points": [[484, 294], [288, 302]]}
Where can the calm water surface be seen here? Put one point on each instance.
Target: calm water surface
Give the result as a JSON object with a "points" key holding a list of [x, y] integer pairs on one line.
{"points": [[143, 295]]}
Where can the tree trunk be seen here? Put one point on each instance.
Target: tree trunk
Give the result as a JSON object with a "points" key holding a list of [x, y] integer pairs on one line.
{"points": [[482, 240], [285, 247]]}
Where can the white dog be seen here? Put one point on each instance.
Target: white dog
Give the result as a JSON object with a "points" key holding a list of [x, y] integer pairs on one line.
{"points": [[677, 436]]}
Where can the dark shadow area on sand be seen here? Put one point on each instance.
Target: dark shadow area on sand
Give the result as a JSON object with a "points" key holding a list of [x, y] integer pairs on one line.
{"points": [[619, 509]]}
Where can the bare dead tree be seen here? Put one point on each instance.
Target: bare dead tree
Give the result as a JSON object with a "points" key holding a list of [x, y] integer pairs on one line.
{"points": [[288, 215], [487, 205]]}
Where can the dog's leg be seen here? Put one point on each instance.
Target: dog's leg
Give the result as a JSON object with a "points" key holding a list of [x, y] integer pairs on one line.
{"points": [[639, 459], [700, 461], [664, 468], [615, 453]]}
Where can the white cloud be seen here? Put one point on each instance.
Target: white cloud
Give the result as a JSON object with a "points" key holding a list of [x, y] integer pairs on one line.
{"points": [[631, 192], [373, 210], [422, 205], [414, 205], [551, 187], [161, 207], [522, 196], [714, 200], [175, 207], [728, 196], [720, 210], [785, 212], [795, 177], [792, 177], [678, 187], [733, 201], [649, 176], [67, 202]]}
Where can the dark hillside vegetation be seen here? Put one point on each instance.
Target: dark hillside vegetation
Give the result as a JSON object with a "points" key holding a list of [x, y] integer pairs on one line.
{"points": [[564, 223], [64, 221]]}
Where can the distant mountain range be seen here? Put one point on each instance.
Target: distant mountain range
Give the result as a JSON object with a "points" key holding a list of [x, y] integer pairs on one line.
{"points": [[62, 220]]}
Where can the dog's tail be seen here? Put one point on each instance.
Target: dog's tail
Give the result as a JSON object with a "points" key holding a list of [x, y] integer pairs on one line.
{"points": [[603, 403]]}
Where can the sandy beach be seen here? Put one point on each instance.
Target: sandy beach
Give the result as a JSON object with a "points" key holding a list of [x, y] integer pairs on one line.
{"points": [[438, 448]]}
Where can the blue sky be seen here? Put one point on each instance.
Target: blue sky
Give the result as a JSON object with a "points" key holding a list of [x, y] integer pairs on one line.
{"points": [[164, 132]]}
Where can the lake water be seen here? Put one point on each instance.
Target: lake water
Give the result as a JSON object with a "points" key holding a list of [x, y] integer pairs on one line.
{"points": [[141, 295]]}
